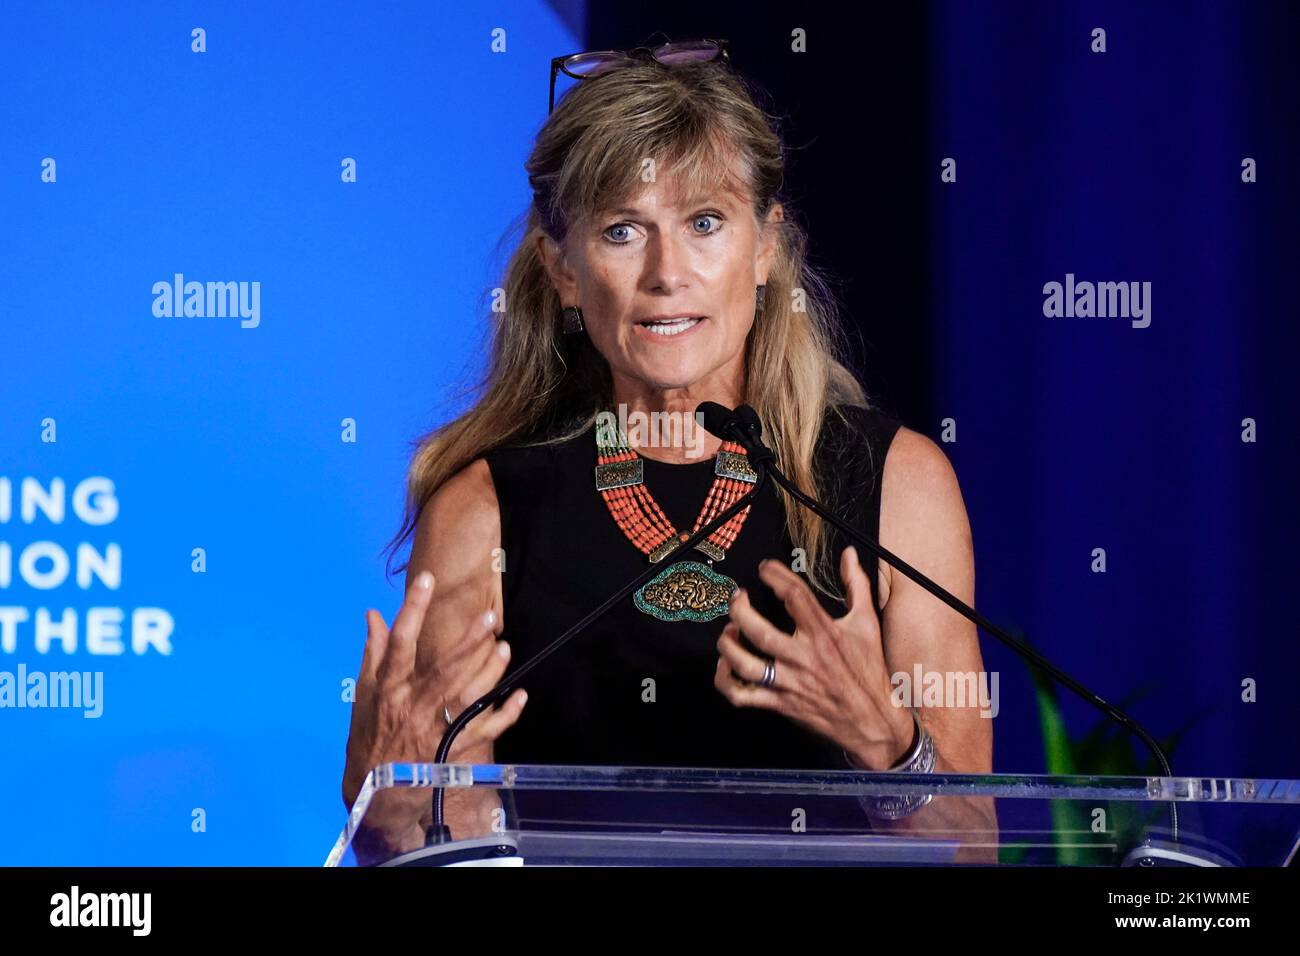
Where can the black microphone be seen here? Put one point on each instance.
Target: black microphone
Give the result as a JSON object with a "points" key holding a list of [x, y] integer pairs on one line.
{"points": [[743, 426], [438, 832], [717, 420]]}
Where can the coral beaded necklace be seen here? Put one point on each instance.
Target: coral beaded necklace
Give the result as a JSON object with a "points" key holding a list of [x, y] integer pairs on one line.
{"points": [[687, 590]]}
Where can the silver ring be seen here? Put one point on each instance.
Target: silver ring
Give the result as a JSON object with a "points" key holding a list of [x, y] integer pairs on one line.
{"points": [[446, 714], [769, 673]]}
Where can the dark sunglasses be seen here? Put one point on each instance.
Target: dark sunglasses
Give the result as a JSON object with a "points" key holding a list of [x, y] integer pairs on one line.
{"points": [[588, 65]]}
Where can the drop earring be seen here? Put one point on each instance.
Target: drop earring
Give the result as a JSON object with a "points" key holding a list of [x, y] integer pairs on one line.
{"points": [[760, 293], [572, 320]]}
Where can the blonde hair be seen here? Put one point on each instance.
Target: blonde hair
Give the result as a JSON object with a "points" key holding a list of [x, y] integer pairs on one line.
{"points": [[703, 121]]}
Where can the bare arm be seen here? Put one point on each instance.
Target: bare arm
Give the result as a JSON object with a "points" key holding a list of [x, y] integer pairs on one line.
{"points": [[455, 538], [923, 520], [441, 653]]}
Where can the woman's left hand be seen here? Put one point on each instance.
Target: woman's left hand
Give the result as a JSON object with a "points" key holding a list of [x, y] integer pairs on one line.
{"points": [[831, 675]]}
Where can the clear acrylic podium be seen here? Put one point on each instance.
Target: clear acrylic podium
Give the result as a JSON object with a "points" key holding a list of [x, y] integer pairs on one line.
{"points": [[545, 815]]}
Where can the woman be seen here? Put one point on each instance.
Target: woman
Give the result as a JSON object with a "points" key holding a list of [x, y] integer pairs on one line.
{"points": [[659, 270]]}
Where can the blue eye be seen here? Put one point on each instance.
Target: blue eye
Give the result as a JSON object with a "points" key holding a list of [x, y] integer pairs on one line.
{"points": [[703, 216]]}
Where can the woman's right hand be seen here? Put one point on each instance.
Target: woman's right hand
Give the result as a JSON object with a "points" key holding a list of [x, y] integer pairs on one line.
{"points": [[398, 709]]}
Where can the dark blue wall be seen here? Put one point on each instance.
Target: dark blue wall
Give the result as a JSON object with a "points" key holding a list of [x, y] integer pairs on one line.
{"points": [[1083, 433]]}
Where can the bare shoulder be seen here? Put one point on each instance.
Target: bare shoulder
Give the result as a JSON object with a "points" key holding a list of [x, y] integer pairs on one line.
{"points": [[466, 504], [922, 515], [455, 537]]}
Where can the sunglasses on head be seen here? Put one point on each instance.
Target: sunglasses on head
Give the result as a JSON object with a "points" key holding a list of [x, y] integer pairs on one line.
{"points": [[594, 63]]}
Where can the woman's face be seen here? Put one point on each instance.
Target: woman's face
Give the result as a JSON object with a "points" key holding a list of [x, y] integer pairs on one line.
{"points": [[654, 259]]}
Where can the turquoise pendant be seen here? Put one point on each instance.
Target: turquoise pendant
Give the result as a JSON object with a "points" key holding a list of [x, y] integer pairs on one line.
{"points": [[686, 591]]}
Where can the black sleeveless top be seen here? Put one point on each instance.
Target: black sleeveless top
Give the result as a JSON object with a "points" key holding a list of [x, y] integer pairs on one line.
{"points": [[564, 555]]}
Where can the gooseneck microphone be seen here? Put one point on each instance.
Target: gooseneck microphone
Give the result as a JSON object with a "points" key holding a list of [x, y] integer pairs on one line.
{"points": [[438, 832], [743, 426]]}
